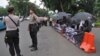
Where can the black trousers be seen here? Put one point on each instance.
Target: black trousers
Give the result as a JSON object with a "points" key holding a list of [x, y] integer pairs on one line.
{"points": [[39, 26], [34, 39], [33, 35], [45, 23], [13, 42], [50, 23]]}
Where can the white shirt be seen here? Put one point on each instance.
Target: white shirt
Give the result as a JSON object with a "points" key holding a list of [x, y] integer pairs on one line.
{"points": [[9, 23], [41, 19], [33, 18], [45, 18], [51, 19]]}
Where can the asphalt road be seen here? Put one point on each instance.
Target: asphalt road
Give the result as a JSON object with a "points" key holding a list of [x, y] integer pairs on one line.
{"points": [[50, 43]]}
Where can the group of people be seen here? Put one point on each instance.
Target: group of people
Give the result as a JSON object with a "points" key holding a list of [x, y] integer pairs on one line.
{"points": [[73, 32], [12, 31]]}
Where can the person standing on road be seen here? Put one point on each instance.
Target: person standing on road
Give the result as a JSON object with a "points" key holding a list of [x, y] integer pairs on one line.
{"points": [[33, 29], [45, 21], [12, 32], [50, 21]]}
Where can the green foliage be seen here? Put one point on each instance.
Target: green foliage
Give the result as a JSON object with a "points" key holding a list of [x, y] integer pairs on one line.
{"points": [[37, 10], [97, 8], [60, 5], [3, 11], [97, 24], [20, 6], [70, 5]]}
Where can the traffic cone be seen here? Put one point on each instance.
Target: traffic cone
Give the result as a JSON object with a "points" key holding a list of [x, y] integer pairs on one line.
{"points": [[84, 42], [88, 43]]}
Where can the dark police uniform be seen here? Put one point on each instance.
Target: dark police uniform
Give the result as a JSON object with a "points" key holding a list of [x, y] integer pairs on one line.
{"points": [[33, 29], [12, 34]]}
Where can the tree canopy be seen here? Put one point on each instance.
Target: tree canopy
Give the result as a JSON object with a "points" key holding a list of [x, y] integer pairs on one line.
{"points": [[72, 6], [37, 10], [3, 11], [60, 5], [22, 7]]}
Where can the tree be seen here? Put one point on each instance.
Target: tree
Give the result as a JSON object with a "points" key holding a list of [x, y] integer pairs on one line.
{"points": [[60, 5], [72, 6], [97, 8], [20, 6], [37, 10], [3, 11], [87, 5]]}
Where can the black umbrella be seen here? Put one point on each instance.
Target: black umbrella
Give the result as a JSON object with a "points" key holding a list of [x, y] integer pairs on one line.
{"points": [[82, 16], [61, 14]]}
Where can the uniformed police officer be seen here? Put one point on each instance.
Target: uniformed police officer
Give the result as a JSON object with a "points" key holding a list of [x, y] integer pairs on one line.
{"points": [[12, 34], [33, 29]]}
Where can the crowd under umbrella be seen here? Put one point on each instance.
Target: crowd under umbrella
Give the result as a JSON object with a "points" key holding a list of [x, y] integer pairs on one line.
{"points": [[60, 15], [82, 16]]}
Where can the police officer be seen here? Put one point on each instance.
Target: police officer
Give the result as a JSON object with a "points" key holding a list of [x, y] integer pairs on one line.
{"points": [[33, 29], [12, 34]]}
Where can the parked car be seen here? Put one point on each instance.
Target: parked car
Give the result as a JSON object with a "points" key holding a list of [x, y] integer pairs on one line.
{"points": [[2, 25]]}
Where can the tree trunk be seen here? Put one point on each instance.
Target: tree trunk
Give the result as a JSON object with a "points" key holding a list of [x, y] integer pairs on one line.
{"points": [[61, 6]]}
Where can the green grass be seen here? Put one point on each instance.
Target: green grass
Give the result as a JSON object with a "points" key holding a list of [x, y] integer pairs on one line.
{"points": [[97, 24]]}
